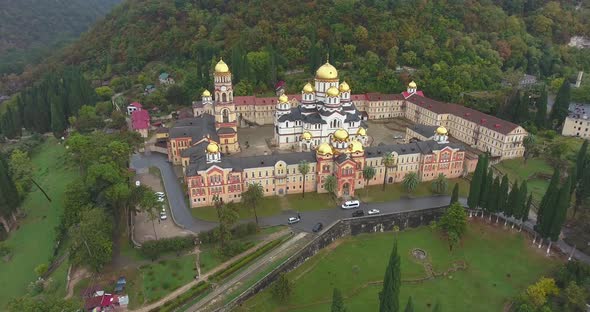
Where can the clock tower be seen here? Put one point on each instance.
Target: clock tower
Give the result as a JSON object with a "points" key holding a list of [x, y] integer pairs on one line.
{"points": [[224, 109]]}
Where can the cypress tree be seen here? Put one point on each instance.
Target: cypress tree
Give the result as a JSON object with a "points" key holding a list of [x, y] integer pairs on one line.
{"points": [[455, 195], [583, 189], [494, 190], [581, 160], [512, 203], [527, 208], [9, 199], [485, 197], [409, 305], [58, 114], [541, 115], [547, 202], [561, 105], [522, 113], [437, 307], [562, 204], [521, 202], [337, 301], [389, 296], [503, 194], [476, 181]]}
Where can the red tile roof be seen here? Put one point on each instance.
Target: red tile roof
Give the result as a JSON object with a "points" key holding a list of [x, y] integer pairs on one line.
{"points": [[258, 101], [383, 97], [136, 104], [140, 119], [472, 115], [406, 94]]}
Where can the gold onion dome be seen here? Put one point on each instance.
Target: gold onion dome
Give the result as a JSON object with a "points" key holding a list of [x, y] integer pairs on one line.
{"points": [[221, 67], [355, 146], [325, 149], [340, 134], [283, 98], [326, 71], [206, 93], [308, 88], [306, 135], [344, 87], [441, 130], [212, 148], [361, 131], [412, 85], [332, 91]]}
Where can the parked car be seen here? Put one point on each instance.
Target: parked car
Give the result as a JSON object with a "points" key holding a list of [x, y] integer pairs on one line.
{"points": [[137, 183], [163, 215], [120, 286], [318, 227], [358, 213], [293, 220], [160, 194], [351, 204], [373, 212], [398, 137]]}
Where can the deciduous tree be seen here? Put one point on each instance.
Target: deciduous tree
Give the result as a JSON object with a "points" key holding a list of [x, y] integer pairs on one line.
{"points": [[330, 185], [92, 243], [453, 223]]}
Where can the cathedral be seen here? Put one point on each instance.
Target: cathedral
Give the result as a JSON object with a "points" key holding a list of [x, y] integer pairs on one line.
{"points": [[325, 107]]}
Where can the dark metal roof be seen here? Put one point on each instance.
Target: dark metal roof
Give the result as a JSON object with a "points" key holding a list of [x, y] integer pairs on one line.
{"points": [[425, 147], [226, 130], [424, 130], [195, 128]]}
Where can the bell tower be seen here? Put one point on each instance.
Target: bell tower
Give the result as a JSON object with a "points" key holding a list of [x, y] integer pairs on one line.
{"points": [[224, 109]]}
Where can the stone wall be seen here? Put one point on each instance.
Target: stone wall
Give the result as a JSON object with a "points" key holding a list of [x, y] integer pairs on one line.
{"points": [[340, 229]]}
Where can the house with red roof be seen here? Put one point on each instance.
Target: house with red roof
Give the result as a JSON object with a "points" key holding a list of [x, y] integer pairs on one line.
{"points": [[140, 122], [135, 106]]}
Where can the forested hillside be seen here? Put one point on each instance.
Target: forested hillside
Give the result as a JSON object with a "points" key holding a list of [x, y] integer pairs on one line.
{"points": [[455, 45], [29, 29]]}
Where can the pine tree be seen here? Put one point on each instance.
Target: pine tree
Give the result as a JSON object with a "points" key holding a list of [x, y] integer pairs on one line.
{"points": [[476, 182], [337, 301], [389, 296], [561, 105], [541, 115], [455, 195], [409, 305]]}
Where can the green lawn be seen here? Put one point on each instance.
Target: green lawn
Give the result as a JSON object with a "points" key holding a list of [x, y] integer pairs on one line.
{"points": [[313, 201], [164, 276], [33, 242], [500, 265], [516, 169]]}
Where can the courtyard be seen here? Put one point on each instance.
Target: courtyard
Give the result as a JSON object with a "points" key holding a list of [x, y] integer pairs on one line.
{"points": [[490, 262]]}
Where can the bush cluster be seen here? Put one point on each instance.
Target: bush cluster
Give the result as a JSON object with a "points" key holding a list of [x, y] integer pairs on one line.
{"points": [[218, 276], [153, 249], [233, 248], [240, 230], [176, 303]]}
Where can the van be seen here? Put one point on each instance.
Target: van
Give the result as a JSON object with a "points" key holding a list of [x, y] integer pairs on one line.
{"points": [[351, 204]]}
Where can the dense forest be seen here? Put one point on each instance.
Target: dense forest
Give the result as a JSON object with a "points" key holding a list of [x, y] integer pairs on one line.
{"points": [[31, 29]]}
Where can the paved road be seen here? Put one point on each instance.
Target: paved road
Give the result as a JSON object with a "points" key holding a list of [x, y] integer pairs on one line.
{"points": [[178, 206]]}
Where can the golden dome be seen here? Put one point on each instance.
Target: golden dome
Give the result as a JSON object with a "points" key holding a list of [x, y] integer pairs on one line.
{"points": [[332, 91], [344, 87], [341, 134], [212, 148], [326, 71], [308, 88], [361, 131], [206, 93], [355, 146], [283, 98], [306, 135], [412, 85], [441, 130], [221, 67], [325, 149]]}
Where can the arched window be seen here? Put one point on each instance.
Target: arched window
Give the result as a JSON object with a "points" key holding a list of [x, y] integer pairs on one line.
{"points": [[225, 114], [224, 97]]}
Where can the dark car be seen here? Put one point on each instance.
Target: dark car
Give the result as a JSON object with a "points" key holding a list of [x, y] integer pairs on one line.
{"points": [[358, 213], [318, 227]]}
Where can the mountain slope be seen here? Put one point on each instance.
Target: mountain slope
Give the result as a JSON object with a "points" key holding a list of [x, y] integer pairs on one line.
{"points": [[29, 28]]}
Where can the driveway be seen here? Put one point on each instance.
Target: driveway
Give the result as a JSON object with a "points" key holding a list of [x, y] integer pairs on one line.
{"points": [[174, 193]]}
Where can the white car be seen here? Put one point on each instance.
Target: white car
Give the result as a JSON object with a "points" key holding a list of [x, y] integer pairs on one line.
{"points": [[373, 212], [163, 215], [137, 183], [293, 220], [350, 204], [160, 194]]}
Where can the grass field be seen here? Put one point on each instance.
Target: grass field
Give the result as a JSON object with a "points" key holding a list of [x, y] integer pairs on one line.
{"points": [[500, 265], [164, 276], [313, 201], [33, 242], [516, 169]]}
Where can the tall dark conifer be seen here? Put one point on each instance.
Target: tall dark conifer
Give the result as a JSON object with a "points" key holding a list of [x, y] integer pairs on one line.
{"points": [[512, 203], [9, 199], [503, 193], [527, 208], [409, 305], [389, 295], [485, 198], [455, 194], [581, 160], [562, 204], [541, 114], [562, 101], [547, 204], [476, 182]]}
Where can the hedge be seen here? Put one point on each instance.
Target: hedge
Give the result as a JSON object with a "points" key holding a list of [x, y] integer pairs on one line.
{"points": [[153, 249], [232, 268], [182, 299], [241, 230]]}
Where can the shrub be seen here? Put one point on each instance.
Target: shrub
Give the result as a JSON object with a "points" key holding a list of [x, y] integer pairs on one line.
{"points": [[244, 229], [41, 269], [282, 288], [182, 299], [5, 250], [153, 249]]}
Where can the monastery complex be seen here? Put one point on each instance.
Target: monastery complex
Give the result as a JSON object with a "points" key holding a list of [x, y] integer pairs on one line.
{"points": [[326, 126]]}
